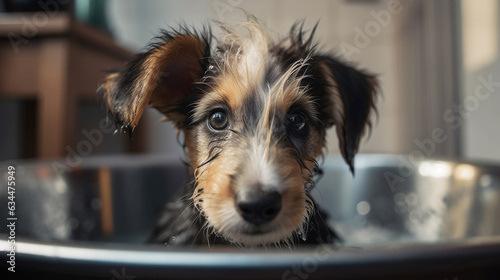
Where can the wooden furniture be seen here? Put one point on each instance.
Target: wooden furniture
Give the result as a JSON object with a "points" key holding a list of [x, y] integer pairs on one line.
{"points": [[57, 62]]}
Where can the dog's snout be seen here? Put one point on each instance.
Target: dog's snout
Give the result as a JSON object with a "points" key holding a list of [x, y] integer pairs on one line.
{"points": [[258, 208]]}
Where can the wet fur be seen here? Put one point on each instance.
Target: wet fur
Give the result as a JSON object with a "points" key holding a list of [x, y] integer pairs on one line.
{"points": [[259, 84]]}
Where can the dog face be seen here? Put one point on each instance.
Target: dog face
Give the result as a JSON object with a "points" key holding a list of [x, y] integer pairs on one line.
{"points": [[254, 114]]}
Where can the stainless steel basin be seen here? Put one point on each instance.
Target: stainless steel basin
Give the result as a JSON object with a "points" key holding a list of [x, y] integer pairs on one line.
{"points": [[399, 219]]}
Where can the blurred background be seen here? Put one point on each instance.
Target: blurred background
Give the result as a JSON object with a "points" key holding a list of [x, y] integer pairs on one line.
{"points": [[437, 62], [438, 65]]}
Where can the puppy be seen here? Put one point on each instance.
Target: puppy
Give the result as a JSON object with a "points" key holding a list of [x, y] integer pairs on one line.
{"points": [[253, 112]]}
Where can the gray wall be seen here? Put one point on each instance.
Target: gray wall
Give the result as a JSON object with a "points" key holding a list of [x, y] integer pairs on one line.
{"points": [[480, 102]]}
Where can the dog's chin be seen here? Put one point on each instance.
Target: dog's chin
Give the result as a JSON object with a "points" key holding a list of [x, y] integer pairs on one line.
{"points": [[251, 236], [257, 238]]}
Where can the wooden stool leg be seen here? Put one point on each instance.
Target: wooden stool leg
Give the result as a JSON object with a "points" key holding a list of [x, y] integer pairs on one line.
{"points": [[52, 102]]}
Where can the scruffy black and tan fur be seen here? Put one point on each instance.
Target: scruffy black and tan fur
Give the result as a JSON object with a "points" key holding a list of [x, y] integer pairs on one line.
{"points": [[253, 111]]}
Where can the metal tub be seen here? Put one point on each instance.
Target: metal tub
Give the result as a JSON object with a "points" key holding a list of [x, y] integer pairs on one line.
{"points": [[399, 219]]}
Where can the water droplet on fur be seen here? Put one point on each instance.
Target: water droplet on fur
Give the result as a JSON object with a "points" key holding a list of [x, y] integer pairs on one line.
{"points": [[167, 245], [173, 238], [124, 129], [211, 67], [302, 234], [115, 132]]}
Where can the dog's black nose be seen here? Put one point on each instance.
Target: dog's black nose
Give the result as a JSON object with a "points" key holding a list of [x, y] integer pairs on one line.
{"points": [[258, 208]]}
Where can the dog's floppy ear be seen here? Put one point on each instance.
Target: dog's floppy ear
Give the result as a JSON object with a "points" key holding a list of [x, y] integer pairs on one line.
{"points": [[346, 98], [161, 77]]}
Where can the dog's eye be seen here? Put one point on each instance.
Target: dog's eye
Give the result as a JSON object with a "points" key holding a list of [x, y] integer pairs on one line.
{"points": [[218, 120], [297, 122]]}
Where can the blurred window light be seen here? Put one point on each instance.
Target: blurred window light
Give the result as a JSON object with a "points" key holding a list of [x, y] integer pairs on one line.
{"points": [[434, 169], [465, 172], [479, 33]]}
